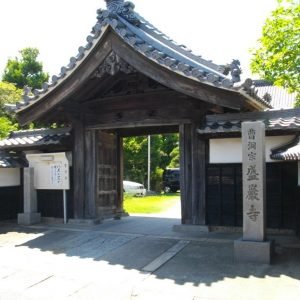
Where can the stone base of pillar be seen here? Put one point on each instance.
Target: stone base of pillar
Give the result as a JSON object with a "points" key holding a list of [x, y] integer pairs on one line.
{"points": [[253, 252], [121, 214], [29, 218]]}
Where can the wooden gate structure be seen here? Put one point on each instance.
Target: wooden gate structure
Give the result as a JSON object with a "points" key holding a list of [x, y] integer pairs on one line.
{"points": [[130, 79]]}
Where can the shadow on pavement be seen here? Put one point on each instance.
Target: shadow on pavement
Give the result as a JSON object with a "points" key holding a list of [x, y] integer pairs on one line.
{"points": [[134, 242]]}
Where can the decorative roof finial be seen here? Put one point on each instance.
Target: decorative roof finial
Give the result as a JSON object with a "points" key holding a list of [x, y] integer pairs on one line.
{"points": [[123, 9], [113, 4], [234, 68]]}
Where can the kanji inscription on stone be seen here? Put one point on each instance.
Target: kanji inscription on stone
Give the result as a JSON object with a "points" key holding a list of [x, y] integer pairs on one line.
{"points": [[253, 139], [252, 193], [253, 213], [252, 173]]}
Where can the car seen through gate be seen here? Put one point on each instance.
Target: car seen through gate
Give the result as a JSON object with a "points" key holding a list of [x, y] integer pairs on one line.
{"points": [[134, 188]]}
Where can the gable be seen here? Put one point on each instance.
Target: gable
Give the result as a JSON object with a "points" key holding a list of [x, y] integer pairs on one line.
{"points": [[122, 41]]}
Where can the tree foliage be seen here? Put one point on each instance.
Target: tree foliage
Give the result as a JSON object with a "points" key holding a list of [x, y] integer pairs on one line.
{"points": [[6, 126], [19, 72], [9, 93], [277, 58], [136, 157], [26, 70]]}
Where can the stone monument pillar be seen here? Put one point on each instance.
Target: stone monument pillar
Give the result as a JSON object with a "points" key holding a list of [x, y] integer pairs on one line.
{"points": [[30, 215], [253, 247]]}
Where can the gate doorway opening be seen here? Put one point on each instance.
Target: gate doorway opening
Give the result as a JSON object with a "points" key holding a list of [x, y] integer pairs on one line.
{"points": [[148, 164], [104, 179]]}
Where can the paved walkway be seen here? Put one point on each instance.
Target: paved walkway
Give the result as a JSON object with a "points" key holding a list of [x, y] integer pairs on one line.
{"points": [[137, 258]]}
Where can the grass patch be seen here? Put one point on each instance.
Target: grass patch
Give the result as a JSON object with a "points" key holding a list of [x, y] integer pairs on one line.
{"points": [[150, 204]]}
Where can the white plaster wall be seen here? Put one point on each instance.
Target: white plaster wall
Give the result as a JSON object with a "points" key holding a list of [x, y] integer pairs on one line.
{"points": [[230, 150], [9, 177]]}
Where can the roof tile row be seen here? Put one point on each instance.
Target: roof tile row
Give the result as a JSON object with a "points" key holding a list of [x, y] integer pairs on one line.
{"points": [[8, 160], [289, 151], [233, 125], [149, 41], [38, 137]]}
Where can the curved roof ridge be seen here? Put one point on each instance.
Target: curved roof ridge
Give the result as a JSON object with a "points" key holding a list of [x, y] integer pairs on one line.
{"points": [[132, 28], [159, 35], [170, 49]]}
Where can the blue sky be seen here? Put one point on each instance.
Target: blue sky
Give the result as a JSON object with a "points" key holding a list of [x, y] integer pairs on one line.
{"points": [[218, 30]]}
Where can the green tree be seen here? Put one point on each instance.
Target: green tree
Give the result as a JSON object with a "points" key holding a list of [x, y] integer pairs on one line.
{"points": [[136, 157], [169, 144], [9, 93], [277, 58], [26, 70], [6, 126], [175, 158]]}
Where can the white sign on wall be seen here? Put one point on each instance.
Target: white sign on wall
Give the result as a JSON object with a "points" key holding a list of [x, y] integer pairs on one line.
{"points": [[56, 174], [51, 170]]}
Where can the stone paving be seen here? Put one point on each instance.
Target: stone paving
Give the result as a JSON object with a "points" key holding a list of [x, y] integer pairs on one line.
{"points": [[137, 258]]}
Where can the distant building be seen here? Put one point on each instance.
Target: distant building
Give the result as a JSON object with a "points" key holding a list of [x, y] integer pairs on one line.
{"points": [[280, 98]]}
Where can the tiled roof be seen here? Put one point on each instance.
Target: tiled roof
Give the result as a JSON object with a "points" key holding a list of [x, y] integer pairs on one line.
{"points": [[289, 151], [150, 42], [9, 160], [231, 123], [280, 98], [35, 138]]}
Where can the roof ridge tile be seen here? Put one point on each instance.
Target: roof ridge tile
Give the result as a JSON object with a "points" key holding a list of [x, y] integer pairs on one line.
{"points": [[147, 40]]}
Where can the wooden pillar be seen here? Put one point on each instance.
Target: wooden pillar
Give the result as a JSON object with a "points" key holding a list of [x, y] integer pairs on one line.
{"points": [[120, 173], [185, 173], [192, 175], [79, 169], [198, 178], [91, 173]]}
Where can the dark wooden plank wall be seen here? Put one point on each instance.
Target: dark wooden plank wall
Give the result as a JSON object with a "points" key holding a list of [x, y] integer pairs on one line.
{"points": [[224, 195], [11, 202], [50, 202]]}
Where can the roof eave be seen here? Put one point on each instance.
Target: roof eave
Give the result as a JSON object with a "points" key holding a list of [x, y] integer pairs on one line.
{"points": [[65, 87], [110, 41], [253, 103]]}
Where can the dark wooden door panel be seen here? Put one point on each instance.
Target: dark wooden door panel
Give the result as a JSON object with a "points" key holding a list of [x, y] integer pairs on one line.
{"points": [[107, 174]]}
